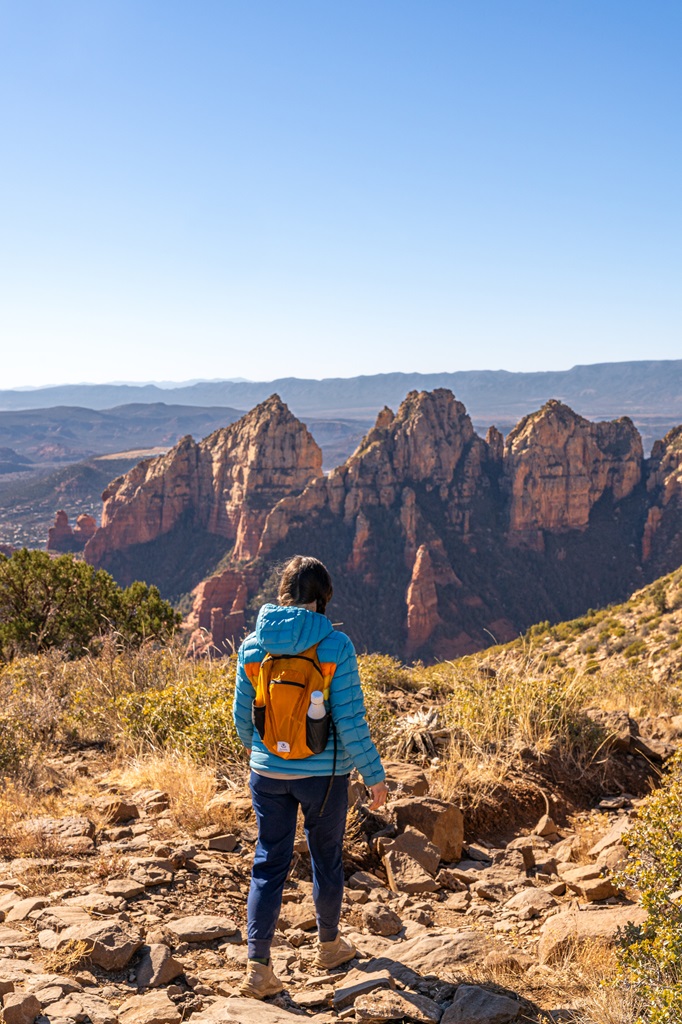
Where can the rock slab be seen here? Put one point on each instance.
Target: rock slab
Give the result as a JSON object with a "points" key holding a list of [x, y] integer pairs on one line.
{"points": [[475, 1005]]}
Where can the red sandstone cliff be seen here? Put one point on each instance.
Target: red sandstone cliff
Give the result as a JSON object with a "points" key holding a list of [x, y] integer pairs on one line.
{"points": [[559, 465], [422, 602], [226, 483], [437, 540], [423, 445], [662, 532]]}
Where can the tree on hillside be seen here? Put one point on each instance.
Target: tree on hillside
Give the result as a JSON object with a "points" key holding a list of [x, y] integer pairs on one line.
{"points": [[62, 602]]}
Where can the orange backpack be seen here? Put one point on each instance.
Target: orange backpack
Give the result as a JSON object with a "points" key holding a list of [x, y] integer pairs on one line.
{"points": [[280, 708]]}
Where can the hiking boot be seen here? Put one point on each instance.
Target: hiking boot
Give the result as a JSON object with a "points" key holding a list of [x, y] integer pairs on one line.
{"points": [[335, 953], [260, 981]]}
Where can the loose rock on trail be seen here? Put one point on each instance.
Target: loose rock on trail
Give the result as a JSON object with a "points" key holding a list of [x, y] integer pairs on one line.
{"points": [[135, 921]]}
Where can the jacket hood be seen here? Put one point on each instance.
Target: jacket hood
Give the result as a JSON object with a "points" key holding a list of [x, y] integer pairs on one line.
{"points": [[287, 629]]}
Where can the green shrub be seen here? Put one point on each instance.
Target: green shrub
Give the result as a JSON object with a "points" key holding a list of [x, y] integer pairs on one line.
{"points": [[382, 672], [634, 649], [660, 597], [64, 603], [192, 715], [651, 956]]}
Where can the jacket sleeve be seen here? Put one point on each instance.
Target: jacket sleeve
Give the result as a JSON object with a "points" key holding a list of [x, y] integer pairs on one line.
{"points": [[348, 714], [243, 700]]}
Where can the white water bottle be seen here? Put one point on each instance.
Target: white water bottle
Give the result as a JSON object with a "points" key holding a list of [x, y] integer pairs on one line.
{"points": [[317, 708]]}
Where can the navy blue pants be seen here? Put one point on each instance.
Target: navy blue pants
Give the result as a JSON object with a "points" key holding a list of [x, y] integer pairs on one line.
{"points": [[276, 803]]}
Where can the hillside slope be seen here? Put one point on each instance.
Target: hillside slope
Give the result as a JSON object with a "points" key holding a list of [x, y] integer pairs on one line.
{"points": [[643, 633]]}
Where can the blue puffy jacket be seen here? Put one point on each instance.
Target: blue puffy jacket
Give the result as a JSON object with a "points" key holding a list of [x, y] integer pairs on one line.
{"points": [[292, 630]]}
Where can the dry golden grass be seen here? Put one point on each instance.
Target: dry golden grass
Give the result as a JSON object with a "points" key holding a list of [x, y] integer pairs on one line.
{"points": [[582, 981], [190, 787], [586, 977], [68, 958], [110, 865]]}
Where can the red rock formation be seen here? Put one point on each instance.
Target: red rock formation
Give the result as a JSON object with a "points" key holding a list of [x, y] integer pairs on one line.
{"points": [[84, 529], [422, 603], [662, 538], [60, 534], [62, 538], [422, 445], [217, 619], [226, 484], [421, 527], [559, 465]]}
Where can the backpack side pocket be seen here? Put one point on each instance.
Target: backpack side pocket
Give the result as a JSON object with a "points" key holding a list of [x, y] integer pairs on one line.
{"points": [[317, 733], [258, 719]]}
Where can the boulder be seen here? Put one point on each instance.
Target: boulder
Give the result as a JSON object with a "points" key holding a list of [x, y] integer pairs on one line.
{"points": [[202, 928], [405, 874], [240, 1010], [439, 821], [530, 903], [384, 1005], [615, 835], [381, 920], [151, 1008], [574, 927], [453, 879], [298, 915], [612, 858], [69, 827], [458, 901], [21, 910], [20, 1008], [82, 1006], [475, 1005], [13, 939], [110, 947], [223, 843], [357, 983], [587, 880], [157, 967], [545, 827], [115, 809], [124, 888], [405, 778], [438, 953], [415, 844]]}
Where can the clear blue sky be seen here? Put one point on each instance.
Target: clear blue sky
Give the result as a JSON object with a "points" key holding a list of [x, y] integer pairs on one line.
{"points": [[263, 188]]}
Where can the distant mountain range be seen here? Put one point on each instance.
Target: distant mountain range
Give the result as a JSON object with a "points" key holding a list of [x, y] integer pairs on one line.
{"points": [[648, 391], [71, 433]]}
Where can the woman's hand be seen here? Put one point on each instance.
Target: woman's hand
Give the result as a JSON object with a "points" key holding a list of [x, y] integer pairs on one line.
{"points": [[379, 793]]}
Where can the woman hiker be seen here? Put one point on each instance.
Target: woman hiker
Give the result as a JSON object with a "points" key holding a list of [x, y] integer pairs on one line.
{"points": [[298, 691]]}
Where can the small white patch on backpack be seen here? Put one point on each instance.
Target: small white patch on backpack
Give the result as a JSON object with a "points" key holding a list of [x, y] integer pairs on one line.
{"points": [[282, 747]]}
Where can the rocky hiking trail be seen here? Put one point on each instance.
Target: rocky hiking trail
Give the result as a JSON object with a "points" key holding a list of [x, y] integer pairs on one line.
{"points": [[127, 918]]}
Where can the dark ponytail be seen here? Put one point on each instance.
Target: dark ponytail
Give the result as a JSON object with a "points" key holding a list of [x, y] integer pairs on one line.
{"points": [[305, 580]]}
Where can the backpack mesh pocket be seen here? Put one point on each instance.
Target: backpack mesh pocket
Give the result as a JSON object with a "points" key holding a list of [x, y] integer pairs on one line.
{"points": [[317, 733]]}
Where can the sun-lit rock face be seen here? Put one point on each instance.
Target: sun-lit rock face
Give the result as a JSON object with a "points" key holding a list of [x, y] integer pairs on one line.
{"points": [[423, 445], [62, 537], [422, 602], [217, 619], [438, 542], [226, 484], [558, 466], [662, 539]]}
